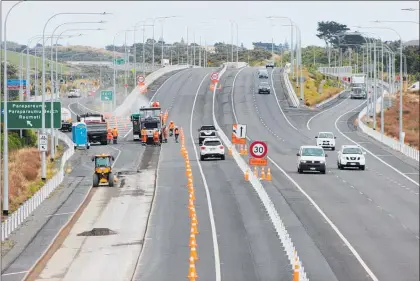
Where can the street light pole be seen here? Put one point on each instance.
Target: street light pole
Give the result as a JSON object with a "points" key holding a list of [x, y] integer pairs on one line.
{"points": [[5, 130]]}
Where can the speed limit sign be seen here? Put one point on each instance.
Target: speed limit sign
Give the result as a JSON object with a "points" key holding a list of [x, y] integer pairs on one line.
{"points": [[140, 78], [258, 149], [214, 76]]}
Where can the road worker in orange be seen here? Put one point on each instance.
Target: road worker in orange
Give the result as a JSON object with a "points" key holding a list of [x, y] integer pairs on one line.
{"points": [[156, 137], [176, 131], [109, 136], [144, 136], [115, 134], [165, 134], [171, 128]]}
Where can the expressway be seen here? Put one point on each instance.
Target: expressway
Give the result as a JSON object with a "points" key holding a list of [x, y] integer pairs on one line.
{"points": [[346, 225]]}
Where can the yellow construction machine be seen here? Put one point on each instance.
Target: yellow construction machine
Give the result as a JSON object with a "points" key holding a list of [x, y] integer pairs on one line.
{"points": [[103, 170]]}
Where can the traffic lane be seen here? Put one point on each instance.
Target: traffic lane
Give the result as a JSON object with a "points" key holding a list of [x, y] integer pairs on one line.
{"points": [[166, 253], [319, 247], [361, 230], [249, 247], [386, 188]]}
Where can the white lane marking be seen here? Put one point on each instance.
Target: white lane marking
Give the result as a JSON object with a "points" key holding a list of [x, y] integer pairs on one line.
{"points": [[278, 103], [176, 74], [129, 131], [319, 113], [368, 151], [116, 158], [327, 219], [60, 214], [261, 192], [14, 273], [206, 187]]}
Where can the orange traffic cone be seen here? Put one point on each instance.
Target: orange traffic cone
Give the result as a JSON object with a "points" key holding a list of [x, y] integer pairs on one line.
{"points": [[246, 175], [230, 151], [268, 174], [245, 152], [192, 195], [194, 219], [190, 203], [191, 211], [192, 273], [193, 253], [241, 150], [262, 173], [296, 269], [255, 171], [193, 242], [194, 228]]}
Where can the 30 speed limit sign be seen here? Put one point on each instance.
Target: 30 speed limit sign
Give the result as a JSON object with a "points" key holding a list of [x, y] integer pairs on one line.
{"points": [[214, 76], [258, 152]]}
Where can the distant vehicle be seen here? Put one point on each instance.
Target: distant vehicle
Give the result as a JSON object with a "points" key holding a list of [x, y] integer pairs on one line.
{"points": [[212, 148], [264, 88], [262, 73], [74, 93], [66, 122], [269, 64], [326, 140], [311, 158], [358, 86], [206, 131], [358, 93], [351, 156]]}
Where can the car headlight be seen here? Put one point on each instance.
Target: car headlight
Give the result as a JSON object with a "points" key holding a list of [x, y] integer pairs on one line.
{"points": [[322, 161], [302, 161]]}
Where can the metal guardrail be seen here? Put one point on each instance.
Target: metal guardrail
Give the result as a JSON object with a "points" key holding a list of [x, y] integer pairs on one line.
{"points": [[336, 71], [27, 208], [290, 91]]}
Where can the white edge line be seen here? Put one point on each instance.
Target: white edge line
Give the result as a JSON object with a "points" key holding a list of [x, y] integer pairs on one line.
{"points": [[116, 158], [278, 103], [342, 237], [14, 273], [368, 151], [323, 111], [262, 194], [211, 214]]}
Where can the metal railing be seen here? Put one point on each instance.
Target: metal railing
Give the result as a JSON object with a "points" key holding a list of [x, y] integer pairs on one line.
{"points": [[290, 91], [27, 208], [343, 71]]}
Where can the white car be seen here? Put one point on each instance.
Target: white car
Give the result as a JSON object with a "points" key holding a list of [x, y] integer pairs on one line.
{"points": [[212, 148], [351, 156], [311, 158], [326, 140]]}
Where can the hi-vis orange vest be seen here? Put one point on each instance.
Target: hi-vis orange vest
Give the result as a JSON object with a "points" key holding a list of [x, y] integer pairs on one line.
{"points": [[109, 136]]}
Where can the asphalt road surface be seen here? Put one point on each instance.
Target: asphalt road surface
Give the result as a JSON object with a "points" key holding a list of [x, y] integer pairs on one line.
{"points": [[247, 245], [331, 217]]}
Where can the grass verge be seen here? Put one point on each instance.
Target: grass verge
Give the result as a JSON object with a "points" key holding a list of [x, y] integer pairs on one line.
{"points": [[313, 80], [410, 119], [25, 174]]}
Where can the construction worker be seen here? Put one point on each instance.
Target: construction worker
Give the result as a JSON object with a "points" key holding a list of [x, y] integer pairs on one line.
{"points": [[115, 134], [144, 136], [109, 136], [171, 128], [156, 137], [165, 134], [176, 131]]}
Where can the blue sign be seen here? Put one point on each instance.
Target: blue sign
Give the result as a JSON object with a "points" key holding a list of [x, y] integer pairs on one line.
{"points": [[16, 83]]}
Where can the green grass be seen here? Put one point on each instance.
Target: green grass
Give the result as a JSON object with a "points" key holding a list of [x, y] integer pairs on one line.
{"points": [[13, 58]]}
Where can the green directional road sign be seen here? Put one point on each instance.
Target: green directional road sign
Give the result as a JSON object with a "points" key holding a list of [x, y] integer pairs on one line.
{"points": [[106, 95], [119, 61], [28, 115]]}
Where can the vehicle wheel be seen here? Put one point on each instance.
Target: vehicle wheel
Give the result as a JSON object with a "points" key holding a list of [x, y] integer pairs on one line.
{"points": [[88, 146], [338, 166], [104, 142], [95, 180], [202, 158], [300, 170], [111, 180], [70, 130], [323, 171], [362, 167], [341, 167], [333, 148], [222, 157]]}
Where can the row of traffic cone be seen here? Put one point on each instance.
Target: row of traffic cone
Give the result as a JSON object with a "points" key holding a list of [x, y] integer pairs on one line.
{"points": [[264, 176], [243, 150], [192, 273]]}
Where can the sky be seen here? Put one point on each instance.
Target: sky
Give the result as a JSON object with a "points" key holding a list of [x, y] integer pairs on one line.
{"points": [[210, 20]]}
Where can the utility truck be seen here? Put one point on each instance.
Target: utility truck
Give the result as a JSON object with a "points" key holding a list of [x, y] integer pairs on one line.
{"points": [[97, 128], [358, 86], [149, 118], [66, 123]]}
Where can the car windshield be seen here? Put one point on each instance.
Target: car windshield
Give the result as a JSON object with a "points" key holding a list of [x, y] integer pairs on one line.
{"points": [[102, 162], [352, 150], [212, 143], [312, 151], [326, 135], [208, 128]]}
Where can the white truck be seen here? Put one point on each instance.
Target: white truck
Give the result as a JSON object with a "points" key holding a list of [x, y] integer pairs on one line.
{"points": [[358, 86]]}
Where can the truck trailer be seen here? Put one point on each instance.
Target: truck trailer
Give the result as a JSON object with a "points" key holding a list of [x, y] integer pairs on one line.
{"points": [[358, 86]]}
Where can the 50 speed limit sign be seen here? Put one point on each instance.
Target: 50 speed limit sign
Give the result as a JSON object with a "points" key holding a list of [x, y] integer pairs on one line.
{"points": [[258, 152]]}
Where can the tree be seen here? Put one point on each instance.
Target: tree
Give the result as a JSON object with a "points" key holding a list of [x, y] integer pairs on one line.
{"points": [[328, 29]]}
